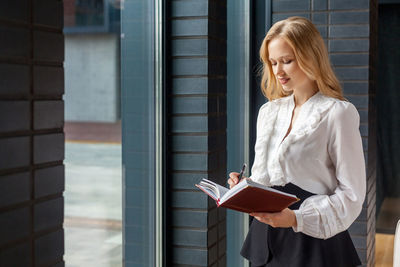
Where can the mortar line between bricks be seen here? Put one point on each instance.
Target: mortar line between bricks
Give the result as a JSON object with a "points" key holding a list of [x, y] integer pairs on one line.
{"points": [[206, 17], [190, 228], [353, 81], [348, 39], [209, 133], [219, 77], [15, 243], [216, 77], [195, 152], [8, 172], [15, 61], [193, 209], [194, 172], [208, 152], [14, 23], [188, 95], [351, 67], [344, 24], [187, 172], [349, 53], [29, 202], [41, 63], [205, 229], [206, 248], [293, 12], [195, 190], [44, 28], [47, 231], [210, 114], [27, 133], [195, 37], [207, 56]]}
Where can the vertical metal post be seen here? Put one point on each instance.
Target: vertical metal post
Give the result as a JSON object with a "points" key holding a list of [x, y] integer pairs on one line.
{"points": [[142, 83], [159, 134], [239, 118], [246, 104]]}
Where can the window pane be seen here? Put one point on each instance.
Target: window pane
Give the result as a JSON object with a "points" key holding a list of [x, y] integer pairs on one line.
{"points": [[84, 13]]}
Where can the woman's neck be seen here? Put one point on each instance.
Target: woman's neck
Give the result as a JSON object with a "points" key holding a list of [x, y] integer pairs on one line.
{"points": [[300, 97]]}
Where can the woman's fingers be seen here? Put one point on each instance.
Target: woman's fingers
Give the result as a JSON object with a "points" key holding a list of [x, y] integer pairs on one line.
{"points": [[234, 176], [233, 179], [266, 218], [263, 216], [285, 218], [231, 183]]}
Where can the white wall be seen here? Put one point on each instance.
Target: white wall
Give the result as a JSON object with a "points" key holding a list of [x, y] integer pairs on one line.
{"points": [[92, 77]]}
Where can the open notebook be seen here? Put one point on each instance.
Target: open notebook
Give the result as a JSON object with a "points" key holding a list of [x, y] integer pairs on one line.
{"points": [[248, 196]]}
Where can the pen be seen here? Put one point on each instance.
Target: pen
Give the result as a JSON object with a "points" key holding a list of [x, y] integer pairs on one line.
{"points": [[242, 171]]}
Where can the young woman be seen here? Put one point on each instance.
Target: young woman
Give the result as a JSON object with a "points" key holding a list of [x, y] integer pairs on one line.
{"points": [[308, 144]]}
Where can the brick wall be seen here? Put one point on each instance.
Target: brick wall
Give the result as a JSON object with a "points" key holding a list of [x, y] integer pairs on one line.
{"points": [[197, 130], [349, 28], [31, 133]]}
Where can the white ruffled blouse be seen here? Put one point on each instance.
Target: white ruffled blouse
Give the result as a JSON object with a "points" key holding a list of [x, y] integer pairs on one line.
{"points": [[322, 154]]}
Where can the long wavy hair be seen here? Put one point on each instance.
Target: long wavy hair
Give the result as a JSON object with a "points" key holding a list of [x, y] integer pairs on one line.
{"points": [[311, 55]]}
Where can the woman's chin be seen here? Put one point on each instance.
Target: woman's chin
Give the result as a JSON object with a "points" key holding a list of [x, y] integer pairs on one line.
{"points": [[286, 89]]}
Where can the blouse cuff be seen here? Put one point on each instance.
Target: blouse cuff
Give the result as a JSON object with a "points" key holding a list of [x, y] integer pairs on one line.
{"points": [[299, 219]]}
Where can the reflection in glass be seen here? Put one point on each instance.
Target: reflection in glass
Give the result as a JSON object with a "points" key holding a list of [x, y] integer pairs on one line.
{"points": [[92, 15], [84, 13], [93, 200], [388, 121]]}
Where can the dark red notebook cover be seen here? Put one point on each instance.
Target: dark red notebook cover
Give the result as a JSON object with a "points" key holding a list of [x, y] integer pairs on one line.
{"points": [[254, 199]]}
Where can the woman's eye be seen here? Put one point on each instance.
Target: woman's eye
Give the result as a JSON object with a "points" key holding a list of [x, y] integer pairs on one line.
{"points": [[287, 62], [273, 63]]}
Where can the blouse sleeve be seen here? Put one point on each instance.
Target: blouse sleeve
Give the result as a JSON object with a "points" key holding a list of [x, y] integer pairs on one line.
{"points": [[258, 170], [323, 216]]}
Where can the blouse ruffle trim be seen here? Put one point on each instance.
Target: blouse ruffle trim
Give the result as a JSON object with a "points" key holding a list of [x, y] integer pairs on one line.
{"points": [[315, 108], [267, 119]]}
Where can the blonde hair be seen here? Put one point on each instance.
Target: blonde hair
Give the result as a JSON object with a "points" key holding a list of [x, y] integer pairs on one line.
{"points": [[311, 55]]}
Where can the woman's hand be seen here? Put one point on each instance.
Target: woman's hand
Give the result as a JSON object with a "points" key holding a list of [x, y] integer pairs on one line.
{"points": [[234, 179], [284, 219]]}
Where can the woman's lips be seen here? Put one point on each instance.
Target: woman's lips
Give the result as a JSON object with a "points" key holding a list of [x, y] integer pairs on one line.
{"points": [[283, 80]]}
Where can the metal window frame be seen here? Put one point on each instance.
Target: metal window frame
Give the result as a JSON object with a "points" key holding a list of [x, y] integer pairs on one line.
{"points": [[159, 70], [239, 97], [150, 86]]}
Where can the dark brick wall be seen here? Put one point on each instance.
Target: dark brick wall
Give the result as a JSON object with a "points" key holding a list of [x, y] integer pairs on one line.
{"points": [[197, 130], [349, 29], [31, 133]]}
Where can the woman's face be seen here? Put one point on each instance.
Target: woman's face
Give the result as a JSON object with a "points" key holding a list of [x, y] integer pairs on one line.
{"points": [[285, 67]]}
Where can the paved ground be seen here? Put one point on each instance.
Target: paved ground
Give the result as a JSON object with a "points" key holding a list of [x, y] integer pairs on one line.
{"points": [[90, 132], [93, 205]]}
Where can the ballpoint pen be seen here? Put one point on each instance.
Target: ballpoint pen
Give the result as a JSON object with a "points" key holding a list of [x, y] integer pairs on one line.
{"points": [[242, 171]]}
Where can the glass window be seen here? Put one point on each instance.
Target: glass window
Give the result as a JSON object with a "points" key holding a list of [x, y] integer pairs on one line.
{"points": [[84, 13], [91, 16], [388, 126], [93, 152]]}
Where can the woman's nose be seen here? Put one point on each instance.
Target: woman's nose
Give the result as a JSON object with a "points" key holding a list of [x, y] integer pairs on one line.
{"points": [[278, 69]]}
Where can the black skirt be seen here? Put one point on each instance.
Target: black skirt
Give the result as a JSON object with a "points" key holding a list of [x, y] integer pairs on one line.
{"points": [[268, 246]]}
